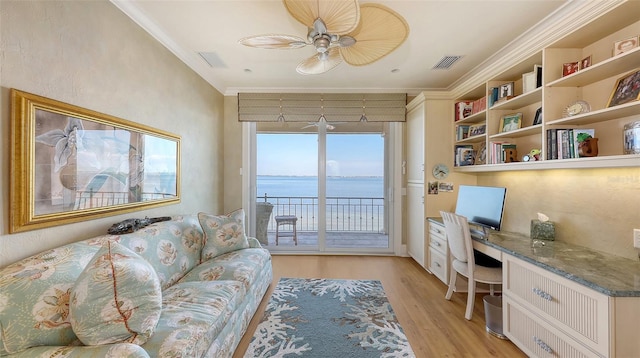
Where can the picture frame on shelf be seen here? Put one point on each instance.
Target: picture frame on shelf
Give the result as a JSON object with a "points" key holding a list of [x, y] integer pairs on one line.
{"points": [[537, 69], [569, 68], [537, 119], [627, 89], [477, 129], [585, 62], [481, 155], [528, 82], [510, 122], [506, 91], [625, 45]]}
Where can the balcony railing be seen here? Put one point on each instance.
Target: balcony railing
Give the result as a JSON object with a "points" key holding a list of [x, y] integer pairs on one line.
{"points": [[342, 214]]}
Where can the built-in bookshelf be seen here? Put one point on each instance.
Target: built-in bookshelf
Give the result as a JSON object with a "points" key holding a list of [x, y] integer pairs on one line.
{"points": [[552, 96]]}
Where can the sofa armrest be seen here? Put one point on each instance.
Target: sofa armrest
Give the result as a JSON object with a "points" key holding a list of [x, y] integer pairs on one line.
{"points": [[254, 243], [120, 350]]}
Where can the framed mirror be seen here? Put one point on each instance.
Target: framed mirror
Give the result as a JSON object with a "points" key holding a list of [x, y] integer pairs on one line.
{"points": [[71, 164]]}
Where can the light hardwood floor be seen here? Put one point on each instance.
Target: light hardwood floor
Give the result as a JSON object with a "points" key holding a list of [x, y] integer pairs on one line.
{"points": [[434, 326]]}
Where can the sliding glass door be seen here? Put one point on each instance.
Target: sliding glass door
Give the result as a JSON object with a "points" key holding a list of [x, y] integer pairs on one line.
{"points": [[321, 187]]}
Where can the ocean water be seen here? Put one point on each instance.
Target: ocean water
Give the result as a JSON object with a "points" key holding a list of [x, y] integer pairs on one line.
{"points": [[353, 203], [352, 187]]}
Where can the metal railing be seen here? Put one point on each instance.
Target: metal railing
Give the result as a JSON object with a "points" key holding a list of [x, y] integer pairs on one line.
{"points": [[342, 214]]}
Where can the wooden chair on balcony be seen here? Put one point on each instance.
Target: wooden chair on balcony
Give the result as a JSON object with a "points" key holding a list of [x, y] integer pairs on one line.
{"points": [[282, 220]]}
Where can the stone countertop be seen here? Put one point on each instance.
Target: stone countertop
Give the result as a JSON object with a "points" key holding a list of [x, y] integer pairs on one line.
{"points": [[612, 275]]}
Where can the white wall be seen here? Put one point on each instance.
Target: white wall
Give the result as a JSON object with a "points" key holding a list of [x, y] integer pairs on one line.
{"points": [[89, 54]]}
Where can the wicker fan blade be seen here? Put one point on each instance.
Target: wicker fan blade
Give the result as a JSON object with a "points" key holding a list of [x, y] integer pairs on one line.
{"points": [[381, 31], [340, 16], [273, 41], [314, 65]]}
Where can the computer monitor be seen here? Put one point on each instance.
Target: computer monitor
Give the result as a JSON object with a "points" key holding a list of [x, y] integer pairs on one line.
{"points": [[483, 206]]}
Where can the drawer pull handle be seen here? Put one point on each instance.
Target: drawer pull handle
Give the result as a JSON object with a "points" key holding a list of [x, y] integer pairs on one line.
{"points": [[437, 243], [437, 264], [542, 345], [542, 294]]}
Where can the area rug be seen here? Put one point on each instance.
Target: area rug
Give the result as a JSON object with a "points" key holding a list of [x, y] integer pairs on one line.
{"points": [[329, 318]]}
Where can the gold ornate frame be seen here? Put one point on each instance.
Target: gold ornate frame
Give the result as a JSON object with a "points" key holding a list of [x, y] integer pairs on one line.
{"points": [[71, 164]]}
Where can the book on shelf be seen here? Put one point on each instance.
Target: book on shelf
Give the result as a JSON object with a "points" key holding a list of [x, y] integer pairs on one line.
{"points": [[493, 96], [466, 108], [463, 109], [565, 143], [462, 131], [464, 155], [498, 150]]}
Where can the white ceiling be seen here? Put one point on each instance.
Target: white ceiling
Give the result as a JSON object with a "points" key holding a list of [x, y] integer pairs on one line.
{"points": [[475, 29]]}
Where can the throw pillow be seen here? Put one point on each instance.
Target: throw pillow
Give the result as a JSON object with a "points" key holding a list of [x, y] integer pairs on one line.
{"points": [[222, 233], [117, 298]]}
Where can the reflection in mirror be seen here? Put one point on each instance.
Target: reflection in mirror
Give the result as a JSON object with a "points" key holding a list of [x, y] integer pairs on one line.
{"points": [[85, 162]]}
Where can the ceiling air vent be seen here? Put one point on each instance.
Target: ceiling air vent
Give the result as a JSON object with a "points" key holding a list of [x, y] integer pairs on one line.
{"points": [[212, 59], [446, 62]]}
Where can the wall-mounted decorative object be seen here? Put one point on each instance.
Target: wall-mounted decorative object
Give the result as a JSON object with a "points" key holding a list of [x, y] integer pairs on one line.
{"points": [[71, 164], [627, 89]]}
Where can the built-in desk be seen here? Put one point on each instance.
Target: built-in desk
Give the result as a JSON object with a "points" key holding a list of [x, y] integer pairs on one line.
{"points": [[612, 275], [562, 300]]}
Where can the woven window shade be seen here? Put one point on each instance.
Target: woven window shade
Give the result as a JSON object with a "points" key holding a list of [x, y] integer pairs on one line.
{"points": [[309, 107]]}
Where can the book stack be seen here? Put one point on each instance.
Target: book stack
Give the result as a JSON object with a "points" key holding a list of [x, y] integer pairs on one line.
{"points": [[565, 143], [462, 132], [464, 155], [497, 152]]}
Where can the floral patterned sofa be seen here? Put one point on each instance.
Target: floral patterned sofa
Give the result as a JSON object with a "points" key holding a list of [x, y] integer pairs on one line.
{"points": [[187, 287]]}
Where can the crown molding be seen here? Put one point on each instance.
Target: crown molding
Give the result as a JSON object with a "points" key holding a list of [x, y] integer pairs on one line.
{"points": [[562, 22], [193, 61]]}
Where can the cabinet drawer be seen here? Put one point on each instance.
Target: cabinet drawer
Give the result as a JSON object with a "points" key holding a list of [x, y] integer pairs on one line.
{"points": [[536, 339], [437, 230], [438, 264], [438, 243], [573, 308]]}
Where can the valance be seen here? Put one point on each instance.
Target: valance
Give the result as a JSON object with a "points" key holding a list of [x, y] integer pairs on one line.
{"points": [[311, 107]]}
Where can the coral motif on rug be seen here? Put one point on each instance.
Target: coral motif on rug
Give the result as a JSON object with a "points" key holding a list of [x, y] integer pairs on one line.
{"points": [[329, 318]]}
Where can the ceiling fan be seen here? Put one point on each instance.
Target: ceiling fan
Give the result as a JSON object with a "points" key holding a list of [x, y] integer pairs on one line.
{"points": [[339, 30]]}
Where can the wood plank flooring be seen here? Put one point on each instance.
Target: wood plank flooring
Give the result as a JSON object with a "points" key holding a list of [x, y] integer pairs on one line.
{"points": [[434, 326]]}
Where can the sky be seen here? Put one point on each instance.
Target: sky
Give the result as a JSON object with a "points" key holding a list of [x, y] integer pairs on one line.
{"points": [[297, 154]]}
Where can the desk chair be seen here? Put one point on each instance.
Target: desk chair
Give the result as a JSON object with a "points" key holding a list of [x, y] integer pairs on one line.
{"points": [[463, 261]]}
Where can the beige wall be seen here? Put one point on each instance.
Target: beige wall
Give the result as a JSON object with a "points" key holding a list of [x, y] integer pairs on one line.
{"points": [[90, 54], [597, 208], [232, 155]]}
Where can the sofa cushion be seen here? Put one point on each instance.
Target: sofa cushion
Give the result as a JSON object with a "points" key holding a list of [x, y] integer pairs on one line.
{"points": [[117, 298], [241, 265], [222, 233], [193, 314], [171, 247], [34, 298]]}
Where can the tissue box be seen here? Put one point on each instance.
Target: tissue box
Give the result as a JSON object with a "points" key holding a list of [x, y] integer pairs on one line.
{"points": [[543, 230]]}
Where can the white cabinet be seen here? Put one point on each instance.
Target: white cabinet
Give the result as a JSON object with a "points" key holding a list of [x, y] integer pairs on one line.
{"points": [[547, 315], [414, 172]]}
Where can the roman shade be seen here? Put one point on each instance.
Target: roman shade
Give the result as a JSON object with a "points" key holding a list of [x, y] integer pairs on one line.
{"points": [[311, 107]]}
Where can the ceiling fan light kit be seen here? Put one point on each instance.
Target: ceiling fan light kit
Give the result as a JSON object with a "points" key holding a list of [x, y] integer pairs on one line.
{"points": [[339, 31]]}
